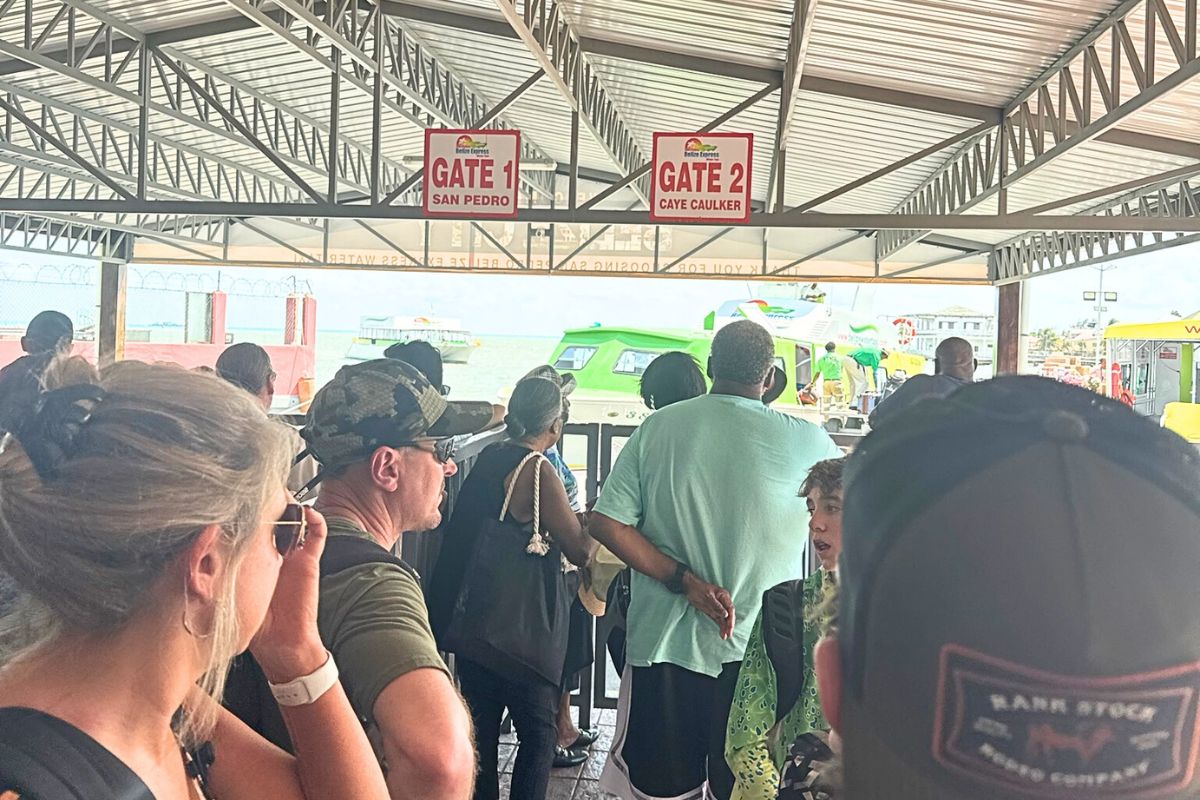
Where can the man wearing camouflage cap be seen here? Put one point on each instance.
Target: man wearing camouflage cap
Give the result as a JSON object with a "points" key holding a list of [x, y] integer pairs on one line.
{"points": [[383, 436]]}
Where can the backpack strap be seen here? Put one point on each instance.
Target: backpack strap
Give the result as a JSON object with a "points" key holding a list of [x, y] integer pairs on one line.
{"points": [[783, 636], [345, 552], [247, 694], [46, 758]]}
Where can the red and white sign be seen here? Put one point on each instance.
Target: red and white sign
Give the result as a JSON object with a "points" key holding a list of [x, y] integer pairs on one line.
{"points": [[701, 177], [472, 173]]}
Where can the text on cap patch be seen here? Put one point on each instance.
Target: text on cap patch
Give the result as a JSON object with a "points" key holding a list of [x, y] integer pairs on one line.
{"points": [[1062, 736]]}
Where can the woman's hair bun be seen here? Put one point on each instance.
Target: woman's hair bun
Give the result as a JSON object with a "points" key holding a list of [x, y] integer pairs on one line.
{"points": [[516, 429]]}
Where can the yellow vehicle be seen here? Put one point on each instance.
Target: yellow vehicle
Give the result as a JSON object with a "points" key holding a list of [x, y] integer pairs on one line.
{"points": [[1154, 367]]}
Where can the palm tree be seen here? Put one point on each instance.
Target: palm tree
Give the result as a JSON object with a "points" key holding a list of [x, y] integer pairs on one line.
{"points": [[1047, 340]]}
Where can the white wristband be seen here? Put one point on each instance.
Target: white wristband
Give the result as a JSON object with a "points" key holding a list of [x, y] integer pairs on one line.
{"points": [[307, 688]]}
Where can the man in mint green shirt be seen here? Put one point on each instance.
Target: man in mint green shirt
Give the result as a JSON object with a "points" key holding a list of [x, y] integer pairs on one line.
{"points": [[702, 505]]}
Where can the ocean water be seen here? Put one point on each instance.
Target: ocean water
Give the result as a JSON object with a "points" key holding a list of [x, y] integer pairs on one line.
{"points": [[496, 365]]}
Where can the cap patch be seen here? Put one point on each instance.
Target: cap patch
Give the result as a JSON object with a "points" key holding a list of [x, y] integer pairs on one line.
{"points": [[1060, 736]]}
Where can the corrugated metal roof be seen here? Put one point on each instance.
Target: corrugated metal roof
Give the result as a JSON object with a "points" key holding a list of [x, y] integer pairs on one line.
{"points": [[981, 51], [747, 31], [1092, 166], [495, 67], [837, 140], [655, 98], [159, 15], [978, 52]]}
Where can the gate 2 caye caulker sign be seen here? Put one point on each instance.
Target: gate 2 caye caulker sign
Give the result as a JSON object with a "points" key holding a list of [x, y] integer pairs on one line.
{"points": [[472, 173], [701, 177]]}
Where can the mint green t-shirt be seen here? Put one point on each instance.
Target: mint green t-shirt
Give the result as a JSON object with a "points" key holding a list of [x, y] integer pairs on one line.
{"points": [[713, 482]]}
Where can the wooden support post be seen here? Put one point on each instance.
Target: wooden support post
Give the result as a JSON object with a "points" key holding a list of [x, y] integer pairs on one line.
{"points": [[110, 330], [1008, 330]]}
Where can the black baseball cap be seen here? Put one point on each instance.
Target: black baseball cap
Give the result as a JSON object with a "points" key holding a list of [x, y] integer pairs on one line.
{"points": [[1020, 601], [48, 331]]}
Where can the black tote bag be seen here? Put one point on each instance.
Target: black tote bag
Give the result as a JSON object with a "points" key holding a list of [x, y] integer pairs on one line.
{"points": [[512, 612]]}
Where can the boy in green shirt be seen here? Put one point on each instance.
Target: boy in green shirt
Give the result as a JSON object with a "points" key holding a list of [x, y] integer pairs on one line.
{"points": [[776, 696]]}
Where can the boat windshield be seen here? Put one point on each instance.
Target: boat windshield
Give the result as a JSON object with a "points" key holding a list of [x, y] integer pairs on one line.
{"points": [[575, 358], [634, 362]]}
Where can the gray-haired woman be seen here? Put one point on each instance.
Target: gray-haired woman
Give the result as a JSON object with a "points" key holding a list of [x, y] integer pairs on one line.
{"points": [[144, 519], [535, 424]]}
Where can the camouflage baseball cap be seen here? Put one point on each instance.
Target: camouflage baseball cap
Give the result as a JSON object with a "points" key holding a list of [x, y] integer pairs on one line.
{"points": [[383, 403]]}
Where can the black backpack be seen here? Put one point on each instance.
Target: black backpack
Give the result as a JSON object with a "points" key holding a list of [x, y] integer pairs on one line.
{"points": [[783, 636], [247, 695], [44, 758]]}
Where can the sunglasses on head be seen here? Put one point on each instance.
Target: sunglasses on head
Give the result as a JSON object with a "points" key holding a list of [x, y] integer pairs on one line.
{"points": [[291, 529]]}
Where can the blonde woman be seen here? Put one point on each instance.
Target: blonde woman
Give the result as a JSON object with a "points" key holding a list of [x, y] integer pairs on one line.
{"points": [[145, 524]]}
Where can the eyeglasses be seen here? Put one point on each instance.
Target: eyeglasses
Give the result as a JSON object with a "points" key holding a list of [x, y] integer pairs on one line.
{"points": [[442, 449], [290, 529]]}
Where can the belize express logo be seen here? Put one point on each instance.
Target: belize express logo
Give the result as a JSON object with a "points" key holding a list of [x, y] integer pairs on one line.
{"points": [[468, 146], [773, 311], [695, 148]]}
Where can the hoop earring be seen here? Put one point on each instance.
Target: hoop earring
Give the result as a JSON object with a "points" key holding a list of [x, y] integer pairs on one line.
{"points": [[187, 626]]}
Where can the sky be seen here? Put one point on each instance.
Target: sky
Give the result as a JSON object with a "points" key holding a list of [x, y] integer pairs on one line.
{"points": [[1149, 288]]}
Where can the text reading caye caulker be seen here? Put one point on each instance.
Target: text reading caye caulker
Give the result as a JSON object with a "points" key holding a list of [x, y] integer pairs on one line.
{"points": [[701, 177]]}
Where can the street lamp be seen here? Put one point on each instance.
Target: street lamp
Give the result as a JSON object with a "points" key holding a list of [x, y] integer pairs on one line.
{"points": [[1100, 297]]}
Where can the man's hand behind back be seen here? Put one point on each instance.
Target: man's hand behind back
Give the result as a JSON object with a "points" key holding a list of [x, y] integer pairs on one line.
{"points": [[712, 601]]}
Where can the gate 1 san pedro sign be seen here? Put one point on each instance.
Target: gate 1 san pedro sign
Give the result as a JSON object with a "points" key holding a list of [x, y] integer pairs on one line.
{"points": [[701, 177], [471, 173]]}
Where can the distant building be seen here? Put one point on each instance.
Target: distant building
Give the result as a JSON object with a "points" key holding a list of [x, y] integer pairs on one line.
{"points": [[976, 327]]}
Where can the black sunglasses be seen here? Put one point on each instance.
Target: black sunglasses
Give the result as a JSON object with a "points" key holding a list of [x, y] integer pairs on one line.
{"points": [[291, 529], [443, 450]]}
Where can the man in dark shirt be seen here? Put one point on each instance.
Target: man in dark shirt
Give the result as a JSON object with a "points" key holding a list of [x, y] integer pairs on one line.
{"points": [[954, 367], [49, 333]]}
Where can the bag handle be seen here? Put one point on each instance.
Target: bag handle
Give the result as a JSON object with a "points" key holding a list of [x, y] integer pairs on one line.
{"points": [[538, 544]]}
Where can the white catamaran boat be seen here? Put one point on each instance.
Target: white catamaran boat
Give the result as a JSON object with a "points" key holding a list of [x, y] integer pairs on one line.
{"points": [[376, 334]]}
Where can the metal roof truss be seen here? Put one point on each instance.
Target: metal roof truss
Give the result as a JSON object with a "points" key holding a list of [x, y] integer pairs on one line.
{"points": [[107, 131]]}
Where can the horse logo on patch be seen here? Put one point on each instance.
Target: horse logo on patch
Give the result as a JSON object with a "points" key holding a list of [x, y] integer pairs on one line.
{"points": [[1060, 736]]}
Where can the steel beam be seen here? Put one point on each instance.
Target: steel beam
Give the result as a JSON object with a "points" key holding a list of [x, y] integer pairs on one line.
{"points": [[39, 46], [417, 85], [290, 134], [1165, 177], [548, 34], [193, 164], [912, 158], [304, 141], [808, 83], [799, 36], [181, 169], [1058, 250], [1058, 111], [1170, 220], [31, 234], [246, 133], [481, 122]]}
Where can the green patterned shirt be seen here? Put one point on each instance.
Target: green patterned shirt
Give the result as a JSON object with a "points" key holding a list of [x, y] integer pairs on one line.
{"points": [[755, 746]]}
